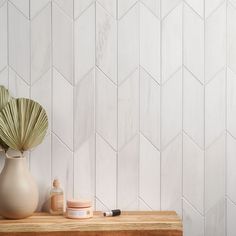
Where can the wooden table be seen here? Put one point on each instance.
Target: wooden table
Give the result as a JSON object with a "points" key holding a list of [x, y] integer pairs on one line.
{"points": [[151, 223]]}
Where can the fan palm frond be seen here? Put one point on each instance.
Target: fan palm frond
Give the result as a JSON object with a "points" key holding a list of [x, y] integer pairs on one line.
{"points": [[4, 99], [23, 124]]}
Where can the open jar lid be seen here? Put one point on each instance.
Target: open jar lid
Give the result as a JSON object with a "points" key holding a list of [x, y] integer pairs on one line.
{"points": [[74, 203]]}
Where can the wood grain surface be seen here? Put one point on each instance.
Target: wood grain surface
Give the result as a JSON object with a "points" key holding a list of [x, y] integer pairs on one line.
{"points": [[151, 223]]}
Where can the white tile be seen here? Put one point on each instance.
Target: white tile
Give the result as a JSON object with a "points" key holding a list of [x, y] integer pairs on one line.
{"points": [[231, 37], [149, 174], [40, 44], [193, 110], [194, 43], [40, 167], [171, 176], [106, 109], [36, 6], [128, 109], [80, 6], [231, 215], [17, 86], [128, 43], [3, 36], [124, 6], [41, 92], [150, 108], [150, 42], [215, 220], [215, 173], [4, 77], [84, 109], [193, 222], [84, 172], [105, 173], [100, 206], [22, 6], [66, 6], [19, 43], [215, 108], [62, 32], [84, 40], [231, 162], [193, 174], [167, 6], [128, 164], [215, 44], [172, 43], [171, 110], [109, 5], [63, 109], [211, 5], [106, 43], [154, 6], [143, 206], [62, 165], [231, 102], [197, 5]]}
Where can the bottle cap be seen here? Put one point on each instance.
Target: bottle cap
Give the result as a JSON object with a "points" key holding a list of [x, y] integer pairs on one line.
{"points": [[56, 183], [74, 203]]}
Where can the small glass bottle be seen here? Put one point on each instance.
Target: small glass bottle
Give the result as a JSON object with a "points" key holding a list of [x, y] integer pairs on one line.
{"points": [[56, 199]]}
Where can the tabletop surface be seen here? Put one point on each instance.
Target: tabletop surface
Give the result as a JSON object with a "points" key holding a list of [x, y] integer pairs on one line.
{"points": [[127, 221]]}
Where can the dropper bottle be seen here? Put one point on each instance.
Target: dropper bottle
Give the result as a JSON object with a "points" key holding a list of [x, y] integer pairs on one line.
{"points": [[56, 199]]}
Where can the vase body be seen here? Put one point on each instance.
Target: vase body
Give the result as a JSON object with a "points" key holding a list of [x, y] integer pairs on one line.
{"points": [[18, 190]]}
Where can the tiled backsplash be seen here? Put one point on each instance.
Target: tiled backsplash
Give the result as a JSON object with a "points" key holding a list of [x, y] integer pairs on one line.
{"points": [[141, 97]]}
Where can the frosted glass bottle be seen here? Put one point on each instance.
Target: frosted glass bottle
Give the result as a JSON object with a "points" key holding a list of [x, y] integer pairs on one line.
{"points": [[56, 199]]}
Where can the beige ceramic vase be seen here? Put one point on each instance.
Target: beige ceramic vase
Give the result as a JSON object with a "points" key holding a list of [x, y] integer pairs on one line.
{"points": [[18, 190]]}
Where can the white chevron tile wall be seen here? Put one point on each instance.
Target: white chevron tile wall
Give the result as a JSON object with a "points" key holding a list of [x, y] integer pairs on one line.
{"points": [[141, 99]]}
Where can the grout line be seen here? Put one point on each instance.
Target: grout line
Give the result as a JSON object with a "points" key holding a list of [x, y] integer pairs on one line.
{"points": [[93, 2], [141, 133], [95, 107], [129, 9], [152, 78], [139, 59], [52, 79], [190, 7], [18, 10], [117, 107], [8, 46], [161, 85], [98, 134], [168, 13], [215, 10], [105, 10], [229, 199], [58, 71], [192, 206], [150, 10], [74, 96], [195, 77], [30, 69], [226, 116], [204, 119], [182, 164], [128, 76], [9, 66], [191, 138], [99, 69], [145, 203], [172, 75], [215, 75]]}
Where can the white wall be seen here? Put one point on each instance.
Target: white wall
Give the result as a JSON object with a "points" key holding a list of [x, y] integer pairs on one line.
{"points": [[141, 98]]}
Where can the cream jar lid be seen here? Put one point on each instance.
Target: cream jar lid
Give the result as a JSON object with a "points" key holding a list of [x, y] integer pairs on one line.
{"points": [[75, 203]]}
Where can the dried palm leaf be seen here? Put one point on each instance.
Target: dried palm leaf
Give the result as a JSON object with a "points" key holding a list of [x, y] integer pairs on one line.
{"points": [[23, 124], [4, 99]]}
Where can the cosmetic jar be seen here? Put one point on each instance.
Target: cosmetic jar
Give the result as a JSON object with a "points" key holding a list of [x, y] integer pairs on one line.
{"points": [[77, 209]]}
